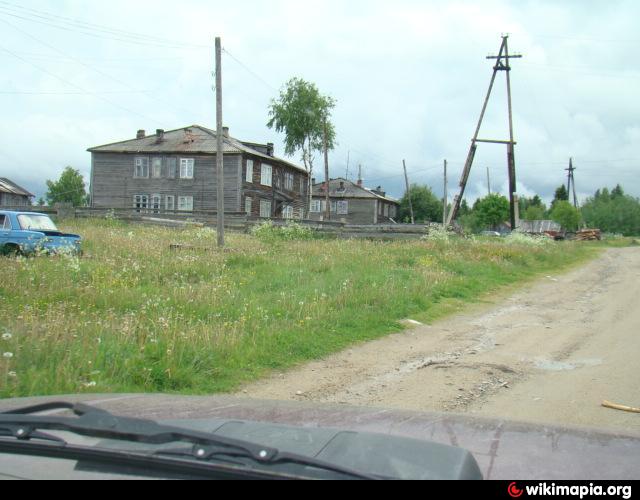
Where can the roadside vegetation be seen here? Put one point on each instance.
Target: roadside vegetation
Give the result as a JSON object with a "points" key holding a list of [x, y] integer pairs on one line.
{"points": [[133, 315]]}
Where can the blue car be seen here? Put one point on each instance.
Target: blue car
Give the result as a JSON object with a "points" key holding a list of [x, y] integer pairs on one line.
{"points": [[27, 233]]}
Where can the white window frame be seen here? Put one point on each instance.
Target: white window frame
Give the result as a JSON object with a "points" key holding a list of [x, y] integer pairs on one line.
{"points": [[287, 212], [141, 202], [156, 203], [288, 181], [141, 168], [343, 208], [185, 203], [249, 175], [170, 203], [316, 206], [172, 168], [266, 175], [156, 168], [265, 209], [187, 168], [248, 205]]}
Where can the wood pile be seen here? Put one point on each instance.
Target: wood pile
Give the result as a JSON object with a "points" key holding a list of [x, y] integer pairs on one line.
{"points": [[589, 235]]}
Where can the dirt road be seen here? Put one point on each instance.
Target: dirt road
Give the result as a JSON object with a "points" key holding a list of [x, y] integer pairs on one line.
{"points": [[550, 353]]}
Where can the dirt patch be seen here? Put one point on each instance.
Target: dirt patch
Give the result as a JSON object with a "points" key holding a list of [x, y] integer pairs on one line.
{"points": [[550, 353]]}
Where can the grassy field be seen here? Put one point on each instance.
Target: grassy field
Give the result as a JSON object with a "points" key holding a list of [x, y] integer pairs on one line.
{"points": [[134, 316]]}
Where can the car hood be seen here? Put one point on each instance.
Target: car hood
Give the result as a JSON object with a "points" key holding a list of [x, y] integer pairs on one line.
{"points": [[504, 450]]}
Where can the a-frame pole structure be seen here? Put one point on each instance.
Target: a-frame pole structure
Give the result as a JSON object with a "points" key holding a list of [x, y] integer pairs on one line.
{"points": [[502, 64], [572, 182]]}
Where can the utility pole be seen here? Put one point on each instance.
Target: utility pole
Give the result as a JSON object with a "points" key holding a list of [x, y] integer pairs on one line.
{"points": [[348, 161], [446, 196], [219, 145], [488, 181], [503, 64], [327, 212], [572, 182], [406, 180]]}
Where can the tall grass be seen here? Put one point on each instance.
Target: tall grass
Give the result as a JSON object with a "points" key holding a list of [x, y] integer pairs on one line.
{"points": [[134, 316]]}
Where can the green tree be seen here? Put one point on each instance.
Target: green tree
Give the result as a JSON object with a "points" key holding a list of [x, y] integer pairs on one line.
{"points": [[427, 207], [70, 188], [613, 212], [565, 214], [492, 211], [535, 212], [303, 114]]}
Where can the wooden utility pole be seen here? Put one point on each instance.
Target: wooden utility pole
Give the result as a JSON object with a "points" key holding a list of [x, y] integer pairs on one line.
{"points": [[220, 144], [327, 211], [406, 180], [503, 58], [488, 181], [446, 195]]}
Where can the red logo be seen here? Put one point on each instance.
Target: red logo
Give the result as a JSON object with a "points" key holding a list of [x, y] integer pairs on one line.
{"points": [[514, 491]]}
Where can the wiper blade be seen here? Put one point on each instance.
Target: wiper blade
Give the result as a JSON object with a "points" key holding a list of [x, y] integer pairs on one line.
{"points": [[25, 425]]}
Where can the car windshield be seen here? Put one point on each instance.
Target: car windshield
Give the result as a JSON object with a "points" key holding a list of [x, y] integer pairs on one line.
{"points": [[36, 223]]}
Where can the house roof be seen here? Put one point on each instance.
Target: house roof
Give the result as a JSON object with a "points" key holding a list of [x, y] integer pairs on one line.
{"points": [[351, 190], [193, 139], [7, 186]]}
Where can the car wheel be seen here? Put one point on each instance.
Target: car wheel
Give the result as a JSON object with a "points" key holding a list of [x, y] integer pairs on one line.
{"points": [[11, 251]]}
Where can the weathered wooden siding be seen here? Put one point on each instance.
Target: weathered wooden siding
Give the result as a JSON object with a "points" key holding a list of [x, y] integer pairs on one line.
{"points": [[277, 194], [114, 185], [361, 211], [14, 200]]}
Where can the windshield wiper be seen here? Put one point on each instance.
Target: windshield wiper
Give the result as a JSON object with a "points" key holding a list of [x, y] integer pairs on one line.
{"points": [[24, 425]]}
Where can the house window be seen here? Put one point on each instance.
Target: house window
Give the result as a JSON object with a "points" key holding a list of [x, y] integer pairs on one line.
{"points": [[248, 206], [156, 202], [186, 168], [141, 202], [288, 181], [172, 167], [266, 176], [141, 170], [170, 203], [249, 176], [287, 212], [265, 208], [185, 203], [316, 206], [343, 208], [156, 168]]}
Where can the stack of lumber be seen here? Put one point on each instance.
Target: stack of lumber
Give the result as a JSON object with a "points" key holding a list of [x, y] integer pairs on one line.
{"points": [[589, 235]]}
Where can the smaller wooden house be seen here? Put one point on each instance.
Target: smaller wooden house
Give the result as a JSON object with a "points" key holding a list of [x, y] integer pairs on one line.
{"points": [[352, 203], [13, 196]]}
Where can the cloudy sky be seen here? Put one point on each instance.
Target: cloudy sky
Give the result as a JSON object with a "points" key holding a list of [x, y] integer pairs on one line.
{"points": [[409, 78]]}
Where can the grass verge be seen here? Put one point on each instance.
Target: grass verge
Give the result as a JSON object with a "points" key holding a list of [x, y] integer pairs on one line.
{"points": [[135, 316]]}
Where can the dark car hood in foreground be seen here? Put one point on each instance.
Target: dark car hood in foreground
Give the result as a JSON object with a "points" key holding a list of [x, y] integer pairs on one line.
{"points": [[504, 450]]}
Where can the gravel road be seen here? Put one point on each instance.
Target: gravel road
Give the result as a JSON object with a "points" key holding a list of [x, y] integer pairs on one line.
{"points": [[550, 353]]}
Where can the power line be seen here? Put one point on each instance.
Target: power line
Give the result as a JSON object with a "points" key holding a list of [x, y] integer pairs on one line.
{"points": [[91, 29], [67, 82]]}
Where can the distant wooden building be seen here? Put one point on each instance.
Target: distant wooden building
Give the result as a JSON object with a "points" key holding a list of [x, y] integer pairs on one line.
{"points": [[176, 171], [13, 196], [353, 203]]}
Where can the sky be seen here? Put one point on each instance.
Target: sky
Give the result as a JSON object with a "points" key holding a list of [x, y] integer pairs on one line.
{"points": [[409, 78]]}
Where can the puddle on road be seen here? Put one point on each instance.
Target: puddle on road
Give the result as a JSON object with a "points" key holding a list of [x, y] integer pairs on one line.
{"points": [[560, 366]]}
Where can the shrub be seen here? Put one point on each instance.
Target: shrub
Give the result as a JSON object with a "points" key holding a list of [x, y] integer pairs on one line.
{"points": [[269, 232]]}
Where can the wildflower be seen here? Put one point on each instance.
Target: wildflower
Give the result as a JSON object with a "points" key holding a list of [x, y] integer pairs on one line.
{"points": [[12, 374], [90, 384], [6, 336], [7, 355]]}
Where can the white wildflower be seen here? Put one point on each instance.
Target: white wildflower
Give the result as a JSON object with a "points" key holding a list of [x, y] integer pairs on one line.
{"points": [[6, 336], [7, 355]]}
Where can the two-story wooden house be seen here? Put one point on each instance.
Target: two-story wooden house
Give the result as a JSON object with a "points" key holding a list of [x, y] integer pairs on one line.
{"points": [[175, 171], [352, 203]]}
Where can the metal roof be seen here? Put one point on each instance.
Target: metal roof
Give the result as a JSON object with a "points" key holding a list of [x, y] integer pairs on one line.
{"points": [[193, 139], [7, 186], [351, 190]]}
